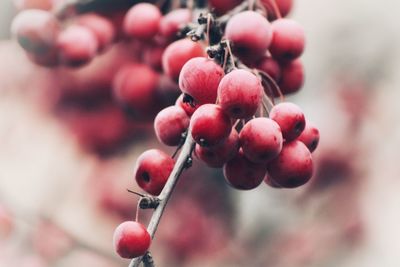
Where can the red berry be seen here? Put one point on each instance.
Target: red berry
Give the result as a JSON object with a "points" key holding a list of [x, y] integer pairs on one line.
{"points": [[152, 170], [171, 23], [240, 94], [210, 125], [135, 85], [177, 54], [250, 33], [222, 6], [199, 78], [285, 6], [77, 45], [102, 28], [142, 20], [36, 31], [243, 174], [290, 118], [292, 78], [189, 109], [288, 39], [170, 124], [271, 67], [310, 136], [293, 167], [131, 240], [216, 157], [261, 140]]}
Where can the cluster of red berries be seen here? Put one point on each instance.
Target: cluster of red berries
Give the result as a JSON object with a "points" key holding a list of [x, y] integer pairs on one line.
{"points": [[222, 105], [222, 108]]}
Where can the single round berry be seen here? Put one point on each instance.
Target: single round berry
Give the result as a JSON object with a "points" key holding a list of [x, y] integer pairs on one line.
{"points": [[135, 85], [261, 140], [171, 23], [292, 78], [131, 240], [239, 94], [250, 33], [293, 167], [199, 78], [288, 39], [152, 170], [177, 54], [77, 45], [209, 125], [271, 67], [142, 21], [216, 157], [102, 28], [170, 124], [290, 118], [243, 174], [310, 136], [36, 31], [189, 108]]}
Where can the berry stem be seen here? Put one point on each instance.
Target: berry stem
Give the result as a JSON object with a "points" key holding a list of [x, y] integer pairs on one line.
{"points": [[180, 166]]}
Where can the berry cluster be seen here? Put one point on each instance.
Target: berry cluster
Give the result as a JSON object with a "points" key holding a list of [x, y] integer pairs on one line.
{"points": [[230, 63], [228, 105]]}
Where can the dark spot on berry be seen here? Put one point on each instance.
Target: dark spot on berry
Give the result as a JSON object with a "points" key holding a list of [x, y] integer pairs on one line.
{"points": [[236, 111], [203, 142], [146, 177], [313, 145], [299, 127]]}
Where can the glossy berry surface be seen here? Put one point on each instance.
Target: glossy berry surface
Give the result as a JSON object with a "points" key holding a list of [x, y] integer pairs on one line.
{"points": [[209, 125], [199, 78], [169, 125], [250, 34], [293, 167], [243, 174], [310, 136], [131, 240], [177, 54], [142, 21], [261, 140], [216, 157], [240, 93], [152, 170], [77, 45], [290, 118], [288, 39]]}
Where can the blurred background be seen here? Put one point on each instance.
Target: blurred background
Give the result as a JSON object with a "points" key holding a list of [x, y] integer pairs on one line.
{"points": [[67, 155]]}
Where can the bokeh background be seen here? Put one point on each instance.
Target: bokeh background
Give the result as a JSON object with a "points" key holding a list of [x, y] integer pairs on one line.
{"points": [[62, 194]]}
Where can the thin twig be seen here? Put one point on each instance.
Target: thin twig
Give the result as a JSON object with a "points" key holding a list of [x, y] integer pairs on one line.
{"points": [[180, 166]]}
